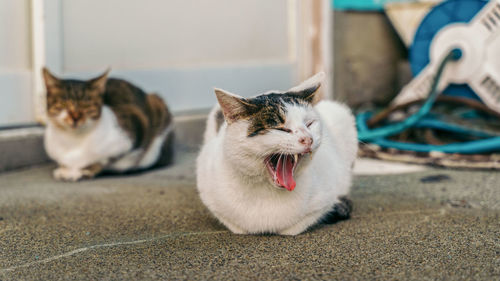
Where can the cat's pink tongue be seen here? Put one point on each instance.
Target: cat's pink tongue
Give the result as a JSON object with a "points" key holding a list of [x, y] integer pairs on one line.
{"points": [[284, 171]]}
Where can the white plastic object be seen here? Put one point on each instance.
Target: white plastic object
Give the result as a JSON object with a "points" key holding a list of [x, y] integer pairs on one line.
{"points": [[479, 66]]}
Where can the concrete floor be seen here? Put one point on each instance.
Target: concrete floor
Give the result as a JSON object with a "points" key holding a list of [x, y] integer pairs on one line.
{"points": [[431, 224]]}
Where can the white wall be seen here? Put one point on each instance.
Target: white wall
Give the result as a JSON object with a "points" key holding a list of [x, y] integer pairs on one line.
{"points": [[158, 34], [180, 49], [14, 35]]}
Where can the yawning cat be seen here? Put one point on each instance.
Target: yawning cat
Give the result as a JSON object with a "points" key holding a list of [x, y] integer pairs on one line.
{"points": [[104, 124], [278, 162]]}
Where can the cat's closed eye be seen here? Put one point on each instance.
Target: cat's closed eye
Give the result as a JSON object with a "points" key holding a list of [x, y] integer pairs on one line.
{"points": [[286, 130], [58, 106], [85, 103], [309, 123], [91, 111]]}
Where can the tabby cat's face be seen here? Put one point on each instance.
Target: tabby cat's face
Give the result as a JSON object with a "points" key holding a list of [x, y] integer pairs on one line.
{"points": [[74, 104]]}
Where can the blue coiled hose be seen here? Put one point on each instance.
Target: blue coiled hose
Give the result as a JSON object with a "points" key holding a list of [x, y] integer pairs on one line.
{"points": [[420, 119]]}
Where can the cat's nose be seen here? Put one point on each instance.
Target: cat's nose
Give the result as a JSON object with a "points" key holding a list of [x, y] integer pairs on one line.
{"points": [[306, 141], [75, 115]]}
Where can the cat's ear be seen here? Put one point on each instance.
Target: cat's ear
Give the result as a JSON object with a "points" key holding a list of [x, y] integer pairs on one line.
{"points": [[308, 90], [233, 106], [51, 81], [99, 83]]}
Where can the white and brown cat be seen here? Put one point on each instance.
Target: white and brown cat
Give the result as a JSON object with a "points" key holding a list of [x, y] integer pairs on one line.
{"points": [[104, 125], [278, 162]]}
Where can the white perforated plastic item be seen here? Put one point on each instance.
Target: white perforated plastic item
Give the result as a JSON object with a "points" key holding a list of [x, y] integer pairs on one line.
{"points": [[479, 66]]}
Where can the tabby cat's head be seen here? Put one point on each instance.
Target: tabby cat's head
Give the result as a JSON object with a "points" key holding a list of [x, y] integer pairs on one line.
{"points": [[74, 104], [273, 133]]}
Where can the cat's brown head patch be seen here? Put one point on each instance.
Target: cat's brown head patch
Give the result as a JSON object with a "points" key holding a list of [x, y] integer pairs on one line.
{"points": [[80, 100], [263, 112], [270, 113]]}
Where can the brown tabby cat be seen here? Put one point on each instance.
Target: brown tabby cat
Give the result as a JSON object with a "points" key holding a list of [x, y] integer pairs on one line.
{"points": [[104, 125]]}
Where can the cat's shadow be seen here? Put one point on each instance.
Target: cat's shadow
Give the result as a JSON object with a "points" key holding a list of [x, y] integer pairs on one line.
{"points": [[214, 224], [127, 174]]}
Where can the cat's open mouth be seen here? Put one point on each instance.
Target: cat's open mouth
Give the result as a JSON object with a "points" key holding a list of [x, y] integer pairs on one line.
{"points": [[282, 167]]}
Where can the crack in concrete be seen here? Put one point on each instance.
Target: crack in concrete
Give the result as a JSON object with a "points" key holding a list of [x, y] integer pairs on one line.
{"points": [[84, 249]]}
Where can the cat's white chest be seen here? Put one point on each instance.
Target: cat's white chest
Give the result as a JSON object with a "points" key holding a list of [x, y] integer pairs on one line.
{"points": [[97, 145], [265, 209], [260, 207]]}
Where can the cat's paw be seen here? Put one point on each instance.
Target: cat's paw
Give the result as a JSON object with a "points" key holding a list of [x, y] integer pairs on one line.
{"points": [[340, 211], [292, 231], [233, 228], [68, 174], [92, 170], [302, 225], [238, 231]]}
